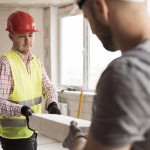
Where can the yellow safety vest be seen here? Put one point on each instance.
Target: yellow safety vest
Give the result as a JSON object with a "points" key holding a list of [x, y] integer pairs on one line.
{"points": [[27, 91]]}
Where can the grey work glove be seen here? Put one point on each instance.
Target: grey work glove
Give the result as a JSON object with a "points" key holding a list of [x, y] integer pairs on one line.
{"points": [[26, 111], [74, 133], [53, 109]]}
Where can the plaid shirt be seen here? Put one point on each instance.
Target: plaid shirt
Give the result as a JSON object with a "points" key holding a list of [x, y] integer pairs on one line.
{"points": [[10, 109]]}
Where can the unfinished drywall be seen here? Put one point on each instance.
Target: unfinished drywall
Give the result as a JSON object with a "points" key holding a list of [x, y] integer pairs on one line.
{"points": [[72, 100], [6, 44]]}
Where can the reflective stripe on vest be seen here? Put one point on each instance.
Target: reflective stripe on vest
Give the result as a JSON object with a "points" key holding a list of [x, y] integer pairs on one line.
{"points": [[27, 91], [29, 103], [13, 123]]}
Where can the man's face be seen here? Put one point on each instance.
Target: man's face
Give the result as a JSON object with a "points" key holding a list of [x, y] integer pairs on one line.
{"points": [[99, 28], [23, 42]]}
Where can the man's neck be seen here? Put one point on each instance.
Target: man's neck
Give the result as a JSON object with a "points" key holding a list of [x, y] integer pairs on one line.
{"points": [[126, 41], [26, 56], [128, 44]]}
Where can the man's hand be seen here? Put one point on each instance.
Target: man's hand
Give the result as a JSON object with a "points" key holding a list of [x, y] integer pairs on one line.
{"points": [[53, 109], [74, 133], [26, 111]]}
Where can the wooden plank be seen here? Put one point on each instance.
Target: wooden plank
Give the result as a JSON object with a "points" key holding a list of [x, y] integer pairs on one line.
{"points": [[55, 126]]}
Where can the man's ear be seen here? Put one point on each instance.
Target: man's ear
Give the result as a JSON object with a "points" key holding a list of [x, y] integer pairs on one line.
{"points": [[102, 7], [11, 36]]}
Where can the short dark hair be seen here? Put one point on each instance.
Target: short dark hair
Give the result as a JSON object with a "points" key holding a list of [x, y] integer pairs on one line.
{"points": [[80, 3]]}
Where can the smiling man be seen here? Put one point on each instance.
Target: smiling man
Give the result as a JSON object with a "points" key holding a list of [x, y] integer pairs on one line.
{"points": [[121, 107], [23, 82]]}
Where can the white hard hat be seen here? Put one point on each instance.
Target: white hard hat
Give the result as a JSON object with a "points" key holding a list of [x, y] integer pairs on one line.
{"points": [[81, 2], [133, 0]]}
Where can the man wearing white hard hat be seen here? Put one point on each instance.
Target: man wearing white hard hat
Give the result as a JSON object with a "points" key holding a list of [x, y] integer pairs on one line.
{"points": [[121, 107]]}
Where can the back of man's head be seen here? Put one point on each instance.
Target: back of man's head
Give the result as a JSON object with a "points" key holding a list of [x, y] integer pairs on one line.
{"points": [[133, 0]]}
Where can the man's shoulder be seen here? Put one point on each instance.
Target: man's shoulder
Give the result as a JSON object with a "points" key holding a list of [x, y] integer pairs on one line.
{"points": [[126, 68], [4, 62], [121, 65], [125, 60], [129, 62], [3, 59]]}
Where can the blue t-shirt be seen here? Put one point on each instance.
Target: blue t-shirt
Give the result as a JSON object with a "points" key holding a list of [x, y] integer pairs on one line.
{"points": [[121, 107]]}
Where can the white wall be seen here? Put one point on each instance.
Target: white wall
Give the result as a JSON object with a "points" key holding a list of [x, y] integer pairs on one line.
{"points": [[72, 100], [6, 44]]}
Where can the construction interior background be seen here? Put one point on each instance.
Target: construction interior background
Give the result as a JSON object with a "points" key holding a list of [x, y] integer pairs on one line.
{"points": [[45, 14], [76, 104]]}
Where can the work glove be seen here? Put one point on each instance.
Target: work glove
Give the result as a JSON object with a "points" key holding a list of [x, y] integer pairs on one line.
{"points": [[26, 111], [53, 109], [74, 133]]}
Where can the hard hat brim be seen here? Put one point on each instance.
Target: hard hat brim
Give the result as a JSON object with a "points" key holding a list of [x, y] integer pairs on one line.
{"points": [[19, 32]]}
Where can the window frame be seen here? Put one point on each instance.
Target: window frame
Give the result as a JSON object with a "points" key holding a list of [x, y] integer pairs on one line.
{"points": [[86, 51], [64, 12]]}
